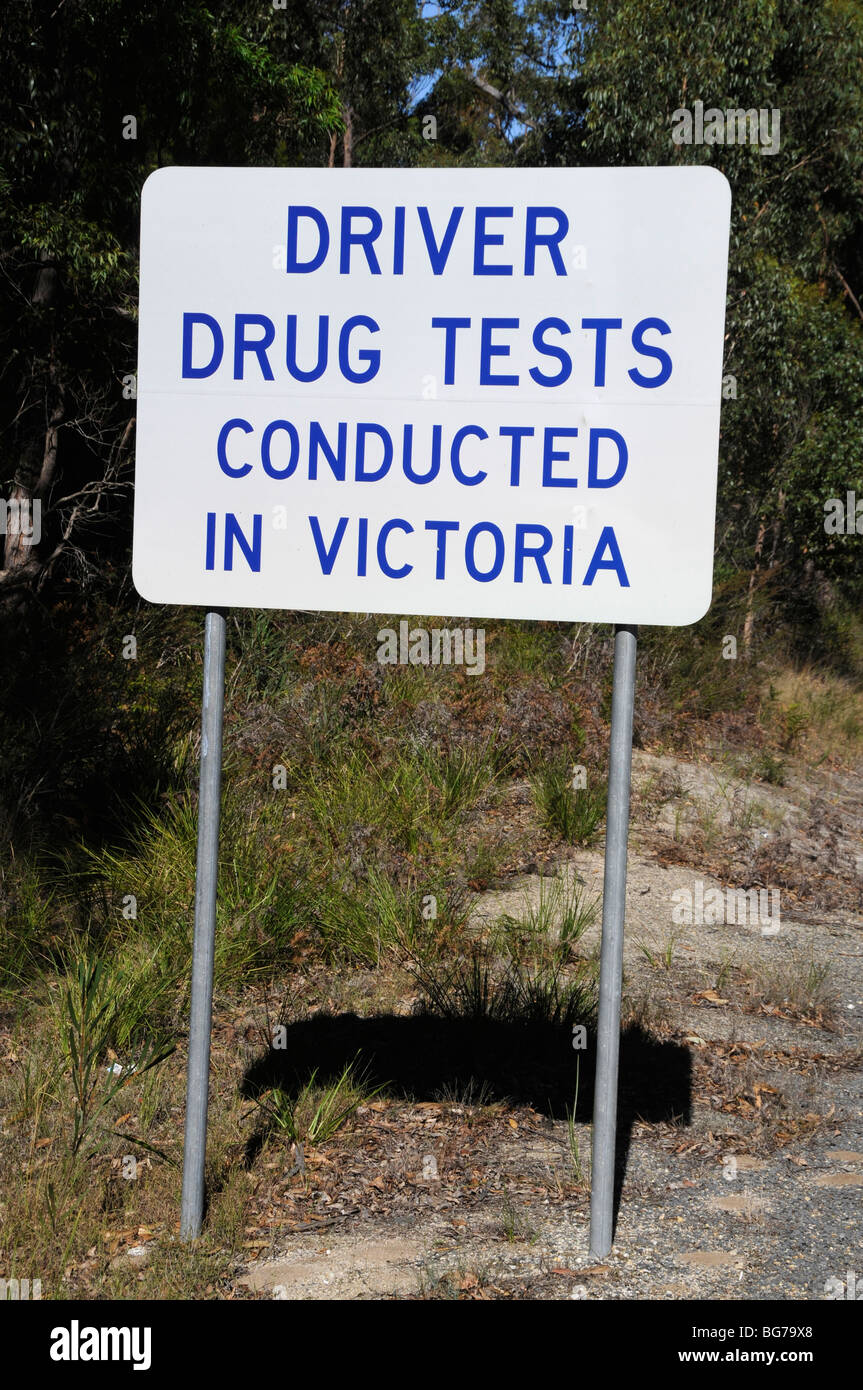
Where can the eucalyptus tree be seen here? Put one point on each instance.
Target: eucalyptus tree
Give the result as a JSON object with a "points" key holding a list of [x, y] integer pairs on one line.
{"points": [[96, 95]]}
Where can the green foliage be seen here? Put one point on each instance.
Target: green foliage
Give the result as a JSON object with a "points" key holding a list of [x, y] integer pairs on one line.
{"points": [[373, 55], [475, 988], [767, 767], [794, 341], [316, 1111], [410, 796], [464, 776], [573, 814], [89, 1008], [549, 926], [204, 85], [375, 920], [26, 905]]}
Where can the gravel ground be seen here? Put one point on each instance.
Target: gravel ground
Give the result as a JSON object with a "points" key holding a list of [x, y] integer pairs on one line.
{"points": [[755, 1191]]}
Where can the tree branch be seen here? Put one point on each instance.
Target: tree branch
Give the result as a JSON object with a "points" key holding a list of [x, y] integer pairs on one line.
{"points": [[504, 98]]}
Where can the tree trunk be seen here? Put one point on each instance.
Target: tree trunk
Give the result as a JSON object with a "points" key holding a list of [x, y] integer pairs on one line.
{"points": [[348, 139], [749, 622], [36, 449]]}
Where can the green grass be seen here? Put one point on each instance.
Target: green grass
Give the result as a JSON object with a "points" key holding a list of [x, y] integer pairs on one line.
{"points": [[657, 959], [398, 792], [91, 999], [411, 796], [517, 1226], [549, 926], [571, 814], [26, 913], [316, 1112], [476, 988], [463, 777], [137, 905], [378, 919], [768, 767], [485, 859], [576, 1166], [520, 648]]}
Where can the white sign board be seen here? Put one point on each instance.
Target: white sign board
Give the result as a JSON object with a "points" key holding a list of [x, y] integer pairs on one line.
{"points": [[491, 393]]}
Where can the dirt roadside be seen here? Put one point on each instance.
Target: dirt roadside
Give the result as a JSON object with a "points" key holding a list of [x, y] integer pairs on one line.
{"points": [[751, 1191]]}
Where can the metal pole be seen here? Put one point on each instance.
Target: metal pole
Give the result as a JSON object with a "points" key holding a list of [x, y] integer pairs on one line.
{"points": [[206, 882], [611, 957]]}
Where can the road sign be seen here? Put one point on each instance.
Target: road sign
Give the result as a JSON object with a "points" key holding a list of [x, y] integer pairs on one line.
{"points": [[489, 392]]}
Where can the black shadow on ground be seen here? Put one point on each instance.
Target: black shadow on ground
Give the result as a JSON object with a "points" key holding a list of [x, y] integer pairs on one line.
{"points": [[427, 1057]]}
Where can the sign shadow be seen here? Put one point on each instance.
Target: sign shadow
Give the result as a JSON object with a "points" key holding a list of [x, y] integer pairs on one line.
{"points": [[433, 1057]]}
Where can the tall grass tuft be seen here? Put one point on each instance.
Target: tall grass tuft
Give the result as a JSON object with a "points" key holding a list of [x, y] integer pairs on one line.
{"points": [[316, 1111], [549, 927], [476, 988], [88, 1011], [138, 904], [572, 814]]}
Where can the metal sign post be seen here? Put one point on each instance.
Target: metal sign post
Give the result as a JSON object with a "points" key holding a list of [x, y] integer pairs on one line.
{"points": [[206, 883], [611, 957]]}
